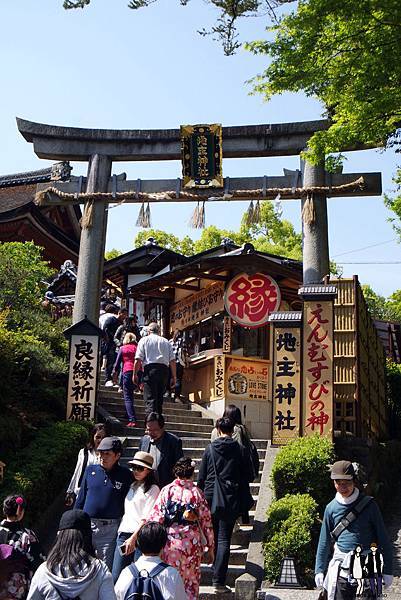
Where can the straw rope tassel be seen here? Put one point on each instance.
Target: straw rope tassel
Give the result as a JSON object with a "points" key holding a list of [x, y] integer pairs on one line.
{"points": [[193, 220], [249, 214], [147, 217], [202, 216], [256, 213], [141, 216], [87, 217], [308, 210]]}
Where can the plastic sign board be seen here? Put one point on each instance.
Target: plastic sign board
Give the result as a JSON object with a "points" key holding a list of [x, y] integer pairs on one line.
{"points": [[82, 378]]}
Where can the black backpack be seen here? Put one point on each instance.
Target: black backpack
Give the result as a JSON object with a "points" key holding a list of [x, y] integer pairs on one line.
{"points": [[143, 586]]}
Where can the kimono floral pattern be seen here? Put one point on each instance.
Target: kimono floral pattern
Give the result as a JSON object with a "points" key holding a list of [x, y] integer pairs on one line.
{"points": [[185, 545], [28, 557]]}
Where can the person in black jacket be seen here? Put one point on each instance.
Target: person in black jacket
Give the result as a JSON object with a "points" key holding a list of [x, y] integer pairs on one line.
{"points": [[165, 447], [223, 457]]}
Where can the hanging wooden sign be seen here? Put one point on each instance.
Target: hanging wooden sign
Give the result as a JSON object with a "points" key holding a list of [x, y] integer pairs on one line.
{"points": [[286, 384], [202, 157], [227, 335], [249, 299], [318, 367], [219, 376], [198, 306]]}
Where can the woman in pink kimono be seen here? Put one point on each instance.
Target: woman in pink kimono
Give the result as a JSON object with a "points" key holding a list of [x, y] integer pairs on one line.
{"points": [[182, 508]]}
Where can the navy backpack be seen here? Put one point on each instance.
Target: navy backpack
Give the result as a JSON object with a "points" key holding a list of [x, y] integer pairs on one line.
{"points": [[143, 586]]}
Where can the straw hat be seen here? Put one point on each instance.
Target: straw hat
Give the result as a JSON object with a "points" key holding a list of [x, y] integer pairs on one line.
{"points": [[143, 459]]}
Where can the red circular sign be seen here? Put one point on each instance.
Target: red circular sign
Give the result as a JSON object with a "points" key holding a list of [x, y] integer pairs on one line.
{"points": [[249, 299]]}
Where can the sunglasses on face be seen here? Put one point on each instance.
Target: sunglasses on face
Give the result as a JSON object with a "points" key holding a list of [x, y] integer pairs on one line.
{"points": [[138, 468]]}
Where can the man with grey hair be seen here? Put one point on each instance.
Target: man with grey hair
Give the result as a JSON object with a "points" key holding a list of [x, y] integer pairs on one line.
{"points": [[155, 356]]}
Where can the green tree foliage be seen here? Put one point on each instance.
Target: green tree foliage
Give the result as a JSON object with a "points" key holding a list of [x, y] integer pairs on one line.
{"points": [[113, 253], [345, 54], [165, 240], [301, 467], [23, 277], [381, 308], [32, 348], [270, 234]]}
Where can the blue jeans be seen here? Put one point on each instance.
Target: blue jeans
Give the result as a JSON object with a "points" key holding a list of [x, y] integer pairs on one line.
{"points": [[222, 537], [128, 391], [120, 560], [104, 534]]}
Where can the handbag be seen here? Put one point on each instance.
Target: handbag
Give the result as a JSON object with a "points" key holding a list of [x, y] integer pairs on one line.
{"points": [[225, 498]]}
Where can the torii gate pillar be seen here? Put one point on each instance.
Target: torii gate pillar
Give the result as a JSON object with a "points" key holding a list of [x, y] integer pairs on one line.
{"points": [[315, 235], [92, 246]]}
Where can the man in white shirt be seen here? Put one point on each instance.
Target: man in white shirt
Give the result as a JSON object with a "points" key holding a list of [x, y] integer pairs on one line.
{"points": [[151, 540], [155, 356]]}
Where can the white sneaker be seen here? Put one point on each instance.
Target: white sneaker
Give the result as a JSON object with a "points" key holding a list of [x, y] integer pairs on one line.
{"points": [[109, 383]]}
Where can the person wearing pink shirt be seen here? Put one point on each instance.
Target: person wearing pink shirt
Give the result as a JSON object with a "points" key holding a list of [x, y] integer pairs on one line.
{"points": [[126, 356]]}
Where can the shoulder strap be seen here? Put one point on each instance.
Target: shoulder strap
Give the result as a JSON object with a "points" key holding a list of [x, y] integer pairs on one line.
{"points": [[213, 461], [350, 517], [158, 569], [84, 465], [134, 570]]}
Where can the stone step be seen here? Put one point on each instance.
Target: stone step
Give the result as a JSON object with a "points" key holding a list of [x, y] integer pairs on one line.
{"points": [[234, 571], [180, 430], [111, 394], [241, 536], [172, 408], [181, 417], [193, 443], [206, 592]]}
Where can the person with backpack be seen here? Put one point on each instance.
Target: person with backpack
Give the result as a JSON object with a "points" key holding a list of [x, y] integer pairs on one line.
{"points": [[350, 520], [149, 578], [181, 360], [71, 569], [182, 508], [224, 476], [125, 362], [20, 550], [86, 456]]}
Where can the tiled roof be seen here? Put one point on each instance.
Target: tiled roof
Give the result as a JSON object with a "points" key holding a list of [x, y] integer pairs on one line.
{"points": [[285, 316], [26, 178], [16, 198]]}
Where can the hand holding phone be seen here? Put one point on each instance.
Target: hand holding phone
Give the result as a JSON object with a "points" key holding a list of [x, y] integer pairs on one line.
{"points": [[122, 550]]}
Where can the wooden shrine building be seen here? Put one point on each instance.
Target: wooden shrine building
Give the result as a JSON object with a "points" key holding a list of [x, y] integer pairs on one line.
{"points": [[234, 362], [55, 228]]}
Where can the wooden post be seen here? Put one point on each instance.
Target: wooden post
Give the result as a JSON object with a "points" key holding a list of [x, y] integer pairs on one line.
{"points": [[315, 236], [92, 246]]}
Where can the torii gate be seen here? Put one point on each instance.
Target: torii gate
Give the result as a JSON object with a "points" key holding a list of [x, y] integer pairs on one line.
{"points": [[100, 147]]}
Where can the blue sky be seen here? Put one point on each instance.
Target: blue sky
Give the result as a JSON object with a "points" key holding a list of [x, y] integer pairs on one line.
{"points": [[111, 67]]}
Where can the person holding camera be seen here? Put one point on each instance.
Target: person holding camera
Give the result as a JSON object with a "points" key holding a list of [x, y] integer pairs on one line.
{"points": [[351, 520]]}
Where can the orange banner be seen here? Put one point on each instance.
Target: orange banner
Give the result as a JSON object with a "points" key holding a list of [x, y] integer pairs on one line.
{"points": [[246, 379], [318, 368]]}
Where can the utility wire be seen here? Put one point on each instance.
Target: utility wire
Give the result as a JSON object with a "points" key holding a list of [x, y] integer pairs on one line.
{"points": [[365, 247]]}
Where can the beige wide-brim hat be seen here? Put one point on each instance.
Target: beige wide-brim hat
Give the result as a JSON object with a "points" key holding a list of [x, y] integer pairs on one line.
{"points": [[143, 459]]}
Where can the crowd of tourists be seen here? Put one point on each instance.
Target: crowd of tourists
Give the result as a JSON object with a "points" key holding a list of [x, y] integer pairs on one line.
{"points": [[143, 531], [145, 528]]}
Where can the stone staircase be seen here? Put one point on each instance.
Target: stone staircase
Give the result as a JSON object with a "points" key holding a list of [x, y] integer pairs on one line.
{"points": [[194, 428]]}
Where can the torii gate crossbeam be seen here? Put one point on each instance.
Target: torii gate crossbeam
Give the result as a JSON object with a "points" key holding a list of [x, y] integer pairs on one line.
{"points": [[100, 147]]}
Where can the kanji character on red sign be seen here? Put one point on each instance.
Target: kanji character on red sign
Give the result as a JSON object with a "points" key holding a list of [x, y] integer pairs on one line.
{"points": [[252, 297], [319, 420], [317, 389]]}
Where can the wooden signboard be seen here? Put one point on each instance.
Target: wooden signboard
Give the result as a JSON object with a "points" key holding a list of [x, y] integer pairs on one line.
{"points": [[318, 367], [219, 376], [82, 379], [286, 384], [227, 335], [202, 158], [246, 379], [198, 306]]}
